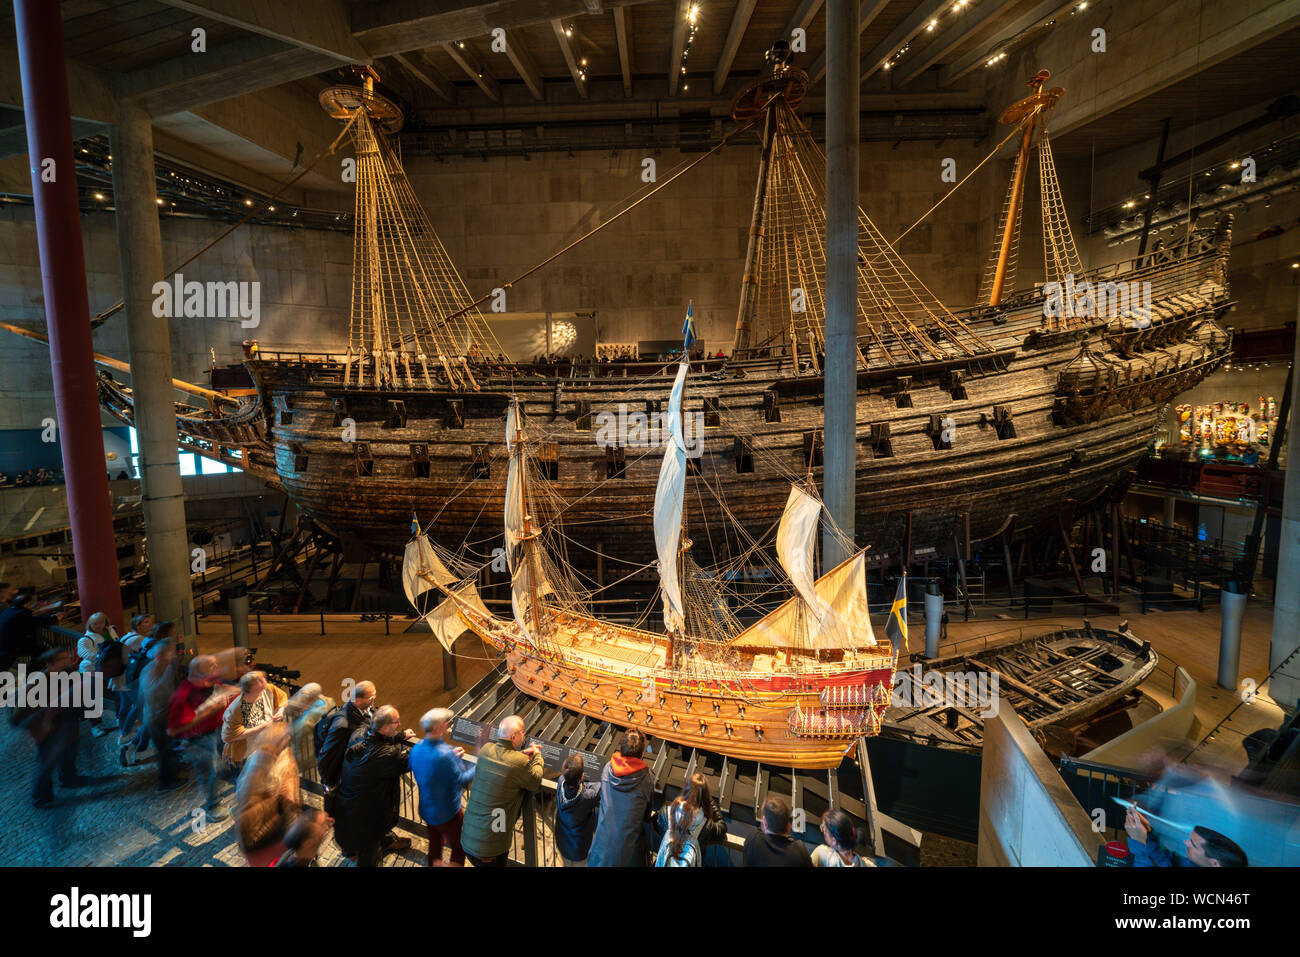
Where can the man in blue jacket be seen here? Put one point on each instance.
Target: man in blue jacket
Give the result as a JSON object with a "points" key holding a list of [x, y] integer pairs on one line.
{"points": [[1204, 848], [442, 774]]}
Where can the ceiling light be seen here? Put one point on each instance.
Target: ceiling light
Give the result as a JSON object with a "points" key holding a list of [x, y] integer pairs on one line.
{"points": [[99, 196], [248, 202], [933, 24]]}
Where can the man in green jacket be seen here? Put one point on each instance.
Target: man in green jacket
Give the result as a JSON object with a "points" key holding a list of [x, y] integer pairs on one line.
{"points": [[503, 774]]}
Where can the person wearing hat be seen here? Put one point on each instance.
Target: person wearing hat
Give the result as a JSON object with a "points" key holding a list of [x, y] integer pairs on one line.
{"points": [[442, 774]]}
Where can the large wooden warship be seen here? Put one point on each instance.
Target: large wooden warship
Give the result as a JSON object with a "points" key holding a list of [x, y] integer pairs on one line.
{"points": [[970, 421]]}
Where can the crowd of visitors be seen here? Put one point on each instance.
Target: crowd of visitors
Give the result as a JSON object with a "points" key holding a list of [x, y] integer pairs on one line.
{"points": [[30, 477], [217, 718]]}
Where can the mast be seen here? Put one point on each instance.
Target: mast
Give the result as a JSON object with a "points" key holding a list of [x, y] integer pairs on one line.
{"points": [[1032, 106], [749, 282]]}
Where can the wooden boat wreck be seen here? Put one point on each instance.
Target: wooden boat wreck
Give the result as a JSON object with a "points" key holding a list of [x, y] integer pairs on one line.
{"points": [[796, 688], [969, 421], [1058, 678]]}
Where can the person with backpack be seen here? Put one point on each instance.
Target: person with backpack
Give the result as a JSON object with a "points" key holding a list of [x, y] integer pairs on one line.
{"points": [[370, 789], [703, 822], [100, 651], [626, 788], [678, 848], [335, 730], [132, 645], [576, 806]]}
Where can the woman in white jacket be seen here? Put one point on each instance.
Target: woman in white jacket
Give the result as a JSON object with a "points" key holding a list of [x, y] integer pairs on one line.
{"points": [[98, 630]]}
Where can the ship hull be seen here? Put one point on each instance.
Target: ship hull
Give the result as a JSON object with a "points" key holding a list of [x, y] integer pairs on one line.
{"points": [[971, 489]]}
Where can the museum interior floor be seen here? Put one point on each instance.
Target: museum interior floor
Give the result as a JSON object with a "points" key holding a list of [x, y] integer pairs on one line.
{"points": [[407, 667], [152, 829]]}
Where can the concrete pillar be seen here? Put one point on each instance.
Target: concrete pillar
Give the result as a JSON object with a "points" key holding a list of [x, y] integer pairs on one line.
{"points": [[1168, 519], [933, 619], [1285, 685], [39, 28], [1232, 604], [842, 103], [236, 598], [149, 341]]}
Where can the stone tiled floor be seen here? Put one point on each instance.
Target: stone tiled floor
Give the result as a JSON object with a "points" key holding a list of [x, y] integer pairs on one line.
{"points": [[122, 820]]}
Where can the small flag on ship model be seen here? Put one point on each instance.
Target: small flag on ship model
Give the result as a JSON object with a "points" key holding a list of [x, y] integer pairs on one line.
{"points": [[688, 326], [896, 626]]}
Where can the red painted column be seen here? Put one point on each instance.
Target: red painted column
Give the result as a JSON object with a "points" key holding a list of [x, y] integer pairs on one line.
{"points": [[67, 306]]}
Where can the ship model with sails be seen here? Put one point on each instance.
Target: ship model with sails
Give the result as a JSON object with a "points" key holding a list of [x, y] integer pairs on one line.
{"points": [[973, 419], [795, 688]]}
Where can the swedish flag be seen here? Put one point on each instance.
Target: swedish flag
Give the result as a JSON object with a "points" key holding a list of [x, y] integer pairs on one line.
{"points": [[688, 327], [896, 626]]}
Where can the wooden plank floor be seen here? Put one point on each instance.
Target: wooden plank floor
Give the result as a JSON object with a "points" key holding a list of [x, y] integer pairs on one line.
{"points": [[406, 668]]}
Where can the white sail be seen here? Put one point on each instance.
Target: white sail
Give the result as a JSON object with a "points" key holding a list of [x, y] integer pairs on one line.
{"points": [[420, 561], [845, 625], [447, 621], [514, 517], [795, 541], [526, 578], [669, 496]]}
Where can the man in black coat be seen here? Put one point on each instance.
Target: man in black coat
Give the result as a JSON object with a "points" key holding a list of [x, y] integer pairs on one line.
{"points": [[19, 630], [369, 794], [344, 724]]}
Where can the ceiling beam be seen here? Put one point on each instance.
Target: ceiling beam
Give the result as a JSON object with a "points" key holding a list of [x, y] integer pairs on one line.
{"points": [[517, 51], [241, 66], [624, 39], [909, 28], [427, 74], [739, 23], [967, 23], [566, 48], [679, 43], [385, 27], [953, 72], [317, 25], [802, 16], [868, 12], [466, 60]]}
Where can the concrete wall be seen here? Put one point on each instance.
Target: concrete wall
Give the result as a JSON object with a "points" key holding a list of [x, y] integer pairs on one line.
{"points": [[305, 278], [1028, 817], [500, 216]]}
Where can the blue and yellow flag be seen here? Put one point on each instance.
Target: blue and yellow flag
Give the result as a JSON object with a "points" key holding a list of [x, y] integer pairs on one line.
{"points": [[896, 626], [688, 327]]}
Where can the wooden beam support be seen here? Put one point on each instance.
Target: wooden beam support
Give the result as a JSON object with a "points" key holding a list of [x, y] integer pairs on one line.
{"points": [[739, 23]]}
